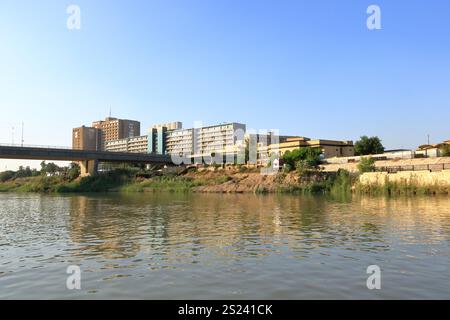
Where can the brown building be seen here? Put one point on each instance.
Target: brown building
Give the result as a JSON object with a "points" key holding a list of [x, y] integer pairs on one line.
{"points": [[114, 129], [86, 138]]}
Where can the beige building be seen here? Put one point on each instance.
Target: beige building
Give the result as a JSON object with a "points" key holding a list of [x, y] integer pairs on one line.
{"points": [[329, 148], [431, 150], [116, 129], [86, 138]]}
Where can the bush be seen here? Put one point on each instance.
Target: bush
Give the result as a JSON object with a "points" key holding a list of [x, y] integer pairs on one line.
{"points": [[309, 157], [6, 176], [366, 165], [304, 166], [287, 168], [342, 182]]}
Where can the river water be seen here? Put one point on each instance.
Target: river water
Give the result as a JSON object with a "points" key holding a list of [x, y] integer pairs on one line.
{"points": [[208, 246]]}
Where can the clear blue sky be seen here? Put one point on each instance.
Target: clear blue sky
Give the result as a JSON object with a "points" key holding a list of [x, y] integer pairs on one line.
{"points": [[307, 68]]}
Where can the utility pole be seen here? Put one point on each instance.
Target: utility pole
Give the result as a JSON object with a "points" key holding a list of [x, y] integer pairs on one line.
{"points": [[428, 139]]}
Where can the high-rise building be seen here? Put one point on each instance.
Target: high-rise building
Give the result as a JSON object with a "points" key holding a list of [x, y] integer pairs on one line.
{"points": [[225, 139], [154, 142], [221, 138], [116, 129], [86, 138]]}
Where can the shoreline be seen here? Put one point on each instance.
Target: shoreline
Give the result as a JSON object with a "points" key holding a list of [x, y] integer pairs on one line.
{"points": [[220, 180]]}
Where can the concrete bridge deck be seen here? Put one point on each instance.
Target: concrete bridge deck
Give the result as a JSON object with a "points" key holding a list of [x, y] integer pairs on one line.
{"points": [[88, 159]]}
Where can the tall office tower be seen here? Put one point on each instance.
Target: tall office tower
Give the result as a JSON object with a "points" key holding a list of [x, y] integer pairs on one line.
{"points": [[86, 138], [115, 129]]}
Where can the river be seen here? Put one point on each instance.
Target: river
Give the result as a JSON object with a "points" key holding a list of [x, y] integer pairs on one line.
{"points": [[214, 246]]}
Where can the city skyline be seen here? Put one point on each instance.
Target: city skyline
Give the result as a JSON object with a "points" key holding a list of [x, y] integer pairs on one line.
{"points": [[310, 69]]}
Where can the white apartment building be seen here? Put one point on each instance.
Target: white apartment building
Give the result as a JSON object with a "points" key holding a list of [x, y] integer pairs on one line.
{"points": [[180, 142], [134, 144], [206, 142]]}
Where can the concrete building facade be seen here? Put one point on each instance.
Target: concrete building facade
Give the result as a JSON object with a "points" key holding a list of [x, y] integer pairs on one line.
{"points": [[133, 144], [329, 148], [204, 143], [157, 140], [116, 129], [218, 139], [180, 142], [175, 125], [86, 138]]}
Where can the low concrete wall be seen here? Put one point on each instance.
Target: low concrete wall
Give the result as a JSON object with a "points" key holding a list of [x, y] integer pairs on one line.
{"points": [[353, 167], [418, 178]]}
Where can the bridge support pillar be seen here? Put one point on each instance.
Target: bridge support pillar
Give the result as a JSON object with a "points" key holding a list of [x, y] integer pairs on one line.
{"points": [[88, 168]]}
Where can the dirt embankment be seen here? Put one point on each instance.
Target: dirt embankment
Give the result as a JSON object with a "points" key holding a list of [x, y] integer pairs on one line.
{"points": [[233, 181]]}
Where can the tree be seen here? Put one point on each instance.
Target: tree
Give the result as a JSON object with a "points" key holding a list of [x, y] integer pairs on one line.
{"points": [[366, 146], [50, 168], [74, 171], [43, 168], [23, 172], [445, 150], [366, 165]]}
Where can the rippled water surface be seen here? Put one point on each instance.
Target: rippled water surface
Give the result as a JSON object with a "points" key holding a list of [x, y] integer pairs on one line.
{"points": [[171, 246]]}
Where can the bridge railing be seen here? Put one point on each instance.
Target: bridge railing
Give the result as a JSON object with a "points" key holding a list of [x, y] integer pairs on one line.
{"points": [[33, 146]]}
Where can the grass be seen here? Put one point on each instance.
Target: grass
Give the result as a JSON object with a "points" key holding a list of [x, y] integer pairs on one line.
{"points": [[171, 184], [401, 189]]}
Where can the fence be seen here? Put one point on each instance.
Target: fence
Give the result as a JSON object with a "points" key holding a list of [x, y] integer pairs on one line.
{"points": [[419, 167], [32, 146]]}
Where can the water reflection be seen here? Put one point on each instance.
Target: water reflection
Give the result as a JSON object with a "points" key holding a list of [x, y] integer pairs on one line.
{"points": [[179, 226], [225, 245]]}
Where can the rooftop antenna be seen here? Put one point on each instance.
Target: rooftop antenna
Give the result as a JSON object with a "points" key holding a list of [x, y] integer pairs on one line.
{"points": [[110, 111]]}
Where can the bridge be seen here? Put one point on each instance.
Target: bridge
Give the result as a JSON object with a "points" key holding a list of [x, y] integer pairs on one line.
{"points": [[88, 160]]}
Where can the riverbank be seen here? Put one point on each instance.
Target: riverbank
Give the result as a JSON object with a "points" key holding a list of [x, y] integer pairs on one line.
{"points": [[232, 180], [204, 180]]}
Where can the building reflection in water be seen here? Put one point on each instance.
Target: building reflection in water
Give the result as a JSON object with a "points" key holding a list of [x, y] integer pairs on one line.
{"points": [[172, 229]]}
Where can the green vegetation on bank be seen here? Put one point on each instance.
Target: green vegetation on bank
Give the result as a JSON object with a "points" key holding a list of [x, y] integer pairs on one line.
{"points": [[317, 183], [401, 189], [366, 165], [302, 176]]}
